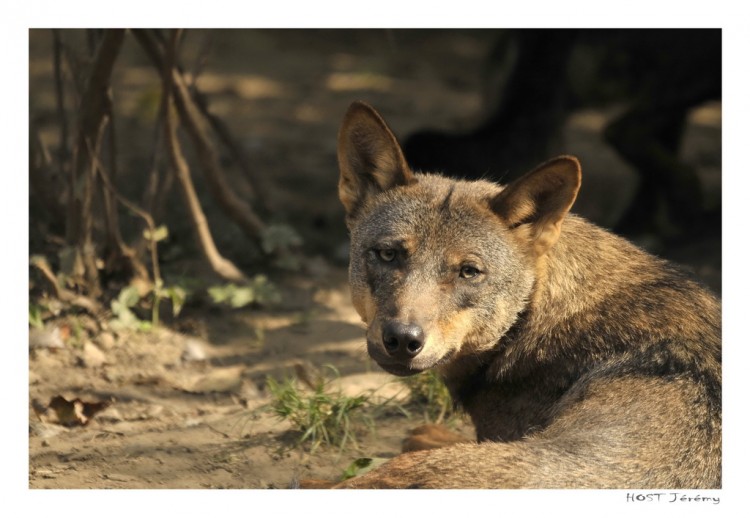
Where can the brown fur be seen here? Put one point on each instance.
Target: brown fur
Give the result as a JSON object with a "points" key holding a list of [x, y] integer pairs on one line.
{"points": [[582, 360]]}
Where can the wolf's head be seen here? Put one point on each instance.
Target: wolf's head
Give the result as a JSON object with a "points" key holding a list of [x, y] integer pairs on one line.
{"points": [[440, 268]]}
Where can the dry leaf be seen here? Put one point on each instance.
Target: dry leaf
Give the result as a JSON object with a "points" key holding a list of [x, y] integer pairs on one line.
{"points": [[75, 412]]}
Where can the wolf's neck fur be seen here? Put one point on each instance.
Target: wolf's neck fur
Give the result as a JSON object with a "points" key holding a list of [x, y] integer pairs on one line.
{"points": [[596, 296]]}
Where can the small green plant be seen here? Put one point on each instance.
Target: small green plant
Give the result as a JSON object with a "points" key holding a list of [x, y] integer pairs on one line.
{"points": [[122, 311], [176, 294], [35, 315], [430, 393], [320, 415], [362, 465], [129, 297], [259, 291]]}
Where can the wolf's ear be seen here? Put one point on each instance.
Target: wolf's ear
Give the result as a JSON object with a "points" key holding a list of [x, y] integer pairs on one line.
{"points": [[370, 158], [537, 202]]}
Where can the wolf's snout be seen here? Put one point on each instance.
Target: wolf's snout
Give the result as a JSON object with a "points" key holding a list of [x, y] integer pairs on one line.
{"points": [[402, 341]]}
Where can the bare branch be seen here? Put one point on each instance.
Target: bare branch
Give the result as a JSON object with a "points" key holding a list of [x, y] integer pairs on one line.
{"points": [[218, 263], [256, 185], [121, 248], [62, 152], [192, 116], [40, 174], [63, 294], [93, 112], [236, 208]]}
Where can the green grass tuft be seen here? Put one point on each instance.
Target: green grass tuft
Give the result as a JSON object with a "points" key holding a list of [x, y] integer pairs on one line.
{"points": [[320, 415]]}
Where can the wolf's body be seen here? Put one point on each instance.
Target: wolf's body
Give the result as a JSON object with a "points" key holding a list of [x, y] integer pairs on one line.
{"points": [[582, 360]]}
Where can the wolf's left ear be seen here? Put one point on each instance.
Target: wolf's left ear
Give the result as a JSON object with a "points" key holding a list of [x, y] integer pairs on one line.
{"points": [[537, 202], [370, 158]]}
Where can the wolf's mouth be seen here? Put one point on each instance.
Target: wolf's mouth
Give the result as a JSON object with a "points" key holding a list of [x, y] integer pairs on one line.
{"points": [[398, 369], [403, 368]]}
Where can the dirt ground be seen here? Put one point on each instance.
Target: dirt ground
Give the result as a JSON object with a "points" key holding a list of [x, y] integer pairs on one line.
{"points": [[188, 404]]}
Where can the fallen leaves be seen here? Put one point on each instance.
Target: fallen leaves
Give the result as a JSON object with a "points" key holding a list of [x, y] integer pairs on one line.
{"points": [[75, 412]]}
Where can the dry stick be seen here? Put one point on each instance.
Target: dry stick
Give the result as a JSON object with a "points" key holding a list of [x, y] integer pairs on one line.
{"points": [[158, 282], [86, 246], [135, 209], [152, 48], [158, 200], [258, 190], [63, 294], [39, 176], [62, 153], [110, 209], [236, 208], [157, 189], [92, 121], [190, 115], [218, 263], [220, 128], [73, 216], [148, 41], [158, 186], [43, 266], [115, 236], [124, 251], [165, 187], [72, 219], [153, 185]]}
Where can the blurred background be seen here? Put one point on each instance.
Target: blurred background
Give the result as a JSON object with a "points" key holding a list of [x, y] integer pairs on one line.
{"points": [[185, 182], [640, 108]]}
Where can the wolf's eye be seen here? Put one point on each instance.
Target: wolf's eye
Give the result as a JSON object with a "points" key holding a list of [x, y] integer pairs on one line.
{"points": [[387, 254], [468, 272]]}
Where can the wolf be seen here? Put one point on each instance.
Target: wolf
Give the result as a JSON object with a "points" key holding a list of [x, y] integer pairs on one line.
{"points": [[583, 361]]}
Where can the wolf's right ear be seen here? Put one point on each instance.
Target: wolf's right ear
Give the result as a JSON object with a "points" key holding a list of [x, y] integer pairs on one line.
{"points": [[370, 158], [535, 204]]}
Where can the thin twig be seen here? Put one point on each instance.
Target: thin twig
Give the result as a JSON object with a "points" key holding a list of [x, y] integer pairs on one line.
{"points": [[192, 117], [91, 124], [225, 435], [40, 176], [62, 152], [135, 209], [236, 208], [43, 266], [218, 263], [258, 191], [63, 294]]}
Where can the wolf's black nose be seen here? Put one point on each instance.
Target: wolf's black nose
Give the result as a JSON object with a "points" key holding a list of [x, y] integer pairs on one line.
{"points": [[402, 340]]}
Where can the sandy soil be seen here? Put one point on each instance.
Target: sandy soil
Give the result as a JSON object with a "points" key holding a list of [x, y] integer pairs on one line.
{"points": [[182, 421]]}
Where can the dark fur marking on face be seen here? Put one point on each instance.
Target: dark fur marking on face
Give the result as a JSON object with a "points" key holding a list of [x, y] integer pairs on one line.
{"points": [[445, 204], [465, 299]]}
